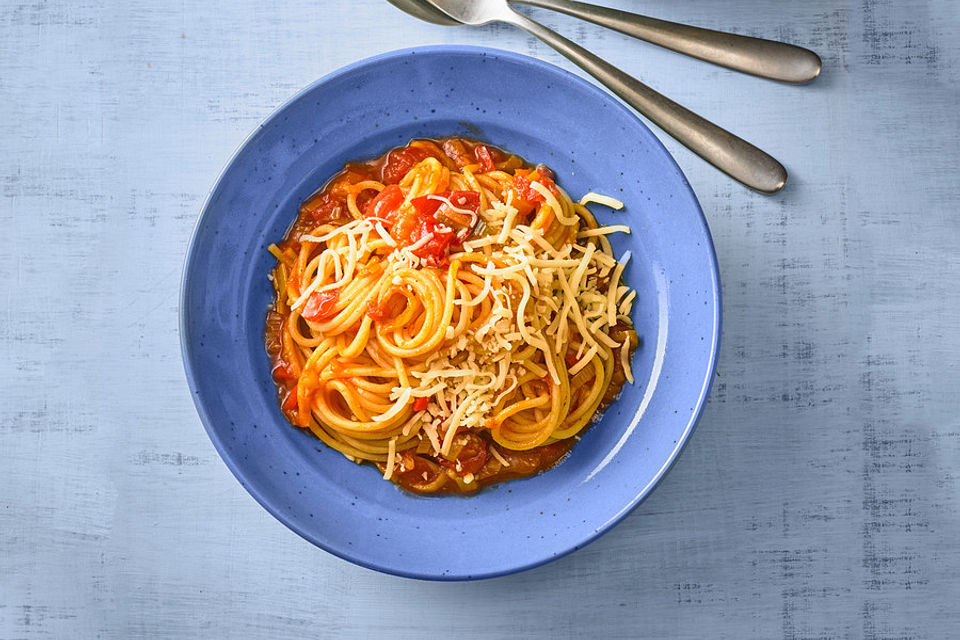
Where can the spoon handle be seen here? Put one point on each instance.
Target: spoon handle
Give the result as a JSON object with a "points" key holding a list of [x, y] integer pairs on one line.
{"points": [[734, 156], [756, 56]]}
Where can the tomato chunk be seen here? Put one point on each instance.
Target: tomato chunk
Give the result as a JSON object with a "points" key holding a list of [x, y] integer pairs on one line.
{"points": [[320, 305], [325, 207], [364, 198], [522, 180], [290, 402], [457, 151], [283, 371], [387, 308], [466, 205], [399, 162], [417, 472], [385, 203], [472, 455], [413, 228], [420, 404], [435, 251], [485, 158], [378, 313], [525, 196]]}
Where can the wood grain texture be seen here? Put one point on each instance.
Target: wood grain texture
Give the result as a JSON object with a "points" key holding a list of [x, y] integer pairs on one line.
{"points": [[820, 497]]}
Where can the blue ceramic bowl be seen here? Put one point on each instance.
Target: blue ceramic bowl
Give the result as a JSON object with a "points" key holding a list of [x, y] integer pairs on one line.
{"points": [[547, 115]]}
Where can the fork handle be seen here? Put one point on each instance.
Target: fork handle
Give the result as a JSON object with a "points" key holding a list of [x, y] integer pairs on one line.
{"points": [[734, 156], [756, 56]]}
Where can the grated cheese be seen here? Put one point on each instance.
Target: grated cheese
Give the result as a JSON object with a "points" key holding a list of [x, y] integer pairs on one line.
{"points": [[603, 231], [391, 458], [625, 361], [499, 457], [608, 201], [612, 292], [554, 204], [431, 430], [453, 207], [508, 221], [584, 361], [397, 407], [627, 303], [419, 243]]}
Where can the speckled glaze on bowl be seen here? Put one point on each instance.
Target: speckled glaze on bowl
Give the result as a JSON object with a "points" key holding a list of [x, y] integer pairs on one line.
{"points": [[546, 115]]}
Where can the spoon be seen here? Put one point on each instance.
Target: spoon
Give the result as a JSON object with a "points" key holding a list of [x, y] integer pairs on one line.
{"points": [[756, 56], [730, 154]]}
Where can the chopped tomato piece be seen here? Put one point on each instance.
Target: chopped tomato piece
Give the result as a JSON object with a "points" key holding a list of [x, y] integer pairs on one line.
{"points": [[485, 158], [428, 205], [420, 404], [385, 203], [364, 198], [570, 359], [409, 227], [377, 312], [512, 162], [325, 207], [290, 402], [472, 456], [430, 148], [457, 151], [386, 309], [521, 185], [399, 162], [546, 172], [436, 250], [465, 200], [320, 305], [462, 201], [283, 371], [522, 180], [473, 463], [525, 196], [417, 472], [413, 229], [523, 207]]}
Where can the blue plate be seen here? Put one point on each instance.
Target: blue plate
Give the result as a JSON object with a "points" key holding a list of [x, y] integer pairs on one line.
{"points": [[548, 116]]}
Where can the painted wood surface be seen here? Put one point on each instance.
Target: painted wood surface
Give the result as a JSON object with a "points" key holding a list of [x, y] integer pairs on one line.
{"points": [[820, 497]]}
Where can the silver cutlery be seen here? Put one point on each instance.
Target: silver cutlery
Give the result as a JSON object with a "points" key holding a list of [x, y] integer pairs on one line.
{"points": [[734, 156], [756, 56]]}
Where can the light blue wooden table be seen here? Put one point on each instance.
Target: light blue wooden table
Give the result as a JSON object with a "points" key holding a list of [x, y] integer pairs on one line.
{"points": [[819, 498]]}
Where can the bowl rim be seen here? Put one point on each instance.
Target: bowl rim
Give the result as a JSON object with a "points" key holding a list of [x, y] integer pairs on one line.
{"points": [[356, 558]]}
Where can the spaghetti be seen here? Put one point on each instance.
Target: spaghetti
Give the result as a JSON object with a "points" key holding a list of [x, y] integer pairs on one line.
{"points": [[449, 314]]}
